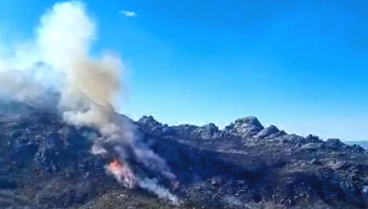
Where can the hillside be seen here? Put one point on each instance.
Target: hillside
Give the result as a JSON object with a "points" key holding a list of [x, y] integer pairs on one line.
{"points": [[46, 163], [363, 144]]}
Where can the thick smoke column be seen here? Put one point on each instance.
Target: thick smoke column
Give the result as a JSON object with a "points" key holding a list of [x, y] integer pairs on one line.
{"points": [[65, 37], [86, 90]]}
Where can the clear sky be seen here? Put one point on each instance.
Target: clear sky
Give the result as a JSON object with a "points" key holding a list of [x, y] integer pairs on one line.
{"points": [[299, 64]]}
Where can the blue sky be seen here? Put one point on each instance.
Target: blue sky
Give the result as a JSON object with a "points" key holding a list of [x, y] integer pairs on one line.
{"points": [[299, 64]]}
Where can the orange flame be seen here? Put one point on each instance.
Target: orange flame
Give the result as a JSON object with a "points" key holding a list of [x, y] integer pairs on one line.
{"points": [[122, 173], [115, 165]]}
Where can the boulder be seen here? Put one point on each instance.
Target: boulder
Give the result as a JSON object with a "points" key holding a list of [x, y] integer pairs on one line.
{"points": [[269, 131], [245, 127]]}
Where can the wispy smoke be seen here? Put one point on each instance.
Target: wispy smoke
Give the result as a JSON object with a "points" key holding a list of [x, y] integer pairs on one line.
{"points": [[28, 86], [152, 186], [86, 86], [18, 85]]}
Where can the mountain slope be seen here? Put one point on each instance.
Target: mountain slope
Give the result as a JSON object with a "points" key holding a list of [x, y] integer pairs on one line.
{"points": [[46, 163], [363, 144]]}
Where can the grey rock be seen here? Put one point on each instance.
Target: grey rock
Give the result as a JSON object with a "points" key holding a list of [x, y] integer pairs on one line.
{"points": [[271, 130], [313, 139], [245, 127], [311, 146], [335, 144]]}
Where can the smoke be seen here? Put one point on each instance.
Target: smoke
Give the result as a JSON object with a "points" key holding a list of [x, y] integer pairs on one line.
{"points": [[64, 37], [152, 186], [86, 86], [19, 86], [28, 86]]}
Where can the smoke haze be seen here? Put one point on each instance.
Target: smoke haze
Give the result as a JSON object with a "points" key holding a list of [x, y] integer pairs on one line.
{"points": [[86, 87]]}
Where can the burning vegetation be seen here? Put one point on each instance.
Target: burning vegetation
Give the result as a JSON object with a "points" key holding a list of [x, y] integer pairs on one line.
{"points": [[122, 173]]}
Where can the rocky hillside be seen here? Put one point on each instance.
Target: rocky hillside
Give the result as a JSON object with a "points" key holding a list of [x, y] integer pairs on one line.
{"points": [[46, 163], [363, 144]]}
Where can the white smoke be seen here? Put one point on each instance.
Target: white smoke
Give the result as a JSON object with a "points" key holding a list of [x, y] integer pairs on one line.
{"points": [[152, 186], [65, 37], [27, 85], [19, 86], [87, 86]]}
